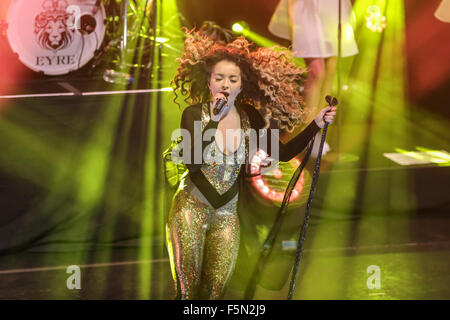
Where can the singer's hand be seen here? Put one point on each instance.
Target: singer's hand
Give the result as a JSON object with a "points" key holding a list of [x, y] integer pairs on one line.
{"points": [[223, 112], [325, 115]]}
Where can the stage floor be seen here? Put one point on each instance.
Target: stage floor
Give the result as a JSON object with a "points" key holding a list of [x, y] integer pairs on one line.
{"points": [[414, 270]]}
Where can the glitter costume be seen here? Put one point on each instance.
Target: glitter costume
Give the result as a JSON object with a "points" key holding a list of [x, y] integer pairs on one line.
{"points": [[203, 224]]}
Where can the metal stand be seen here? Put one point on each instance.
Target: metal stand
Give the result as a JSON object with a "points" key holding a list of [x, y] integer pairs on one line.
{"points": [[301, 239], [339, 76]]}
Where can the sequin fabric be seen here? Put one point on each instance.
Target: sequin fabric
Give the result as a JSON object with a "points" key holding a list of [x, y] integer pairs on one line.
{"points": [[221, 169], [203, 242]]}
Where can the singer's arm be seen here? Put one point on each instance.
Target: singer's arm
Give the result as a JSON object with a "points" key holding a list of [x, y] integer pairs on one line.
{"points": [[286, 150], [293, 147], [290, 149]]}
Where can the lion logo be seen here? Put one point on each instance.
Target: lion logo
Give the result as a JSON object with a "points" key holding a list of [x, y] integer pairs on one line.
{"points": [[51, 25]]}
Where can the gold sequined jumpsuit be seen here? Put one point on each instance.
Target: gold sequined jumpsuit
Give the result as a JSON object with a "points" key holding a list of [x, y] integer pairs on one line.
{"points": [[203, 241], [203, 223]]}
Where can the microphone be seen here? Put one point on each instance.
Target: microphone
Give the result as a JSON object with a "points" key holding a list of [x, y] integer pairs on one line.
{"points": [[220, 104], [331, 102]]}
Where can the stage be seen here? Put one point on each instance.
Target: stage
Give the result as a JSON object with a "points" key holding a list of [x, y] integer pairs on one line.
{"points": [[82, 181], [360, 216]]}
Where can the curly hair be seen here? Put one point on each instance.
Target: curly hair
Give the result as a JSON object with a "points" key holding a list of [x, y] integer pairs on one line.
{"points": [[270, 78]]}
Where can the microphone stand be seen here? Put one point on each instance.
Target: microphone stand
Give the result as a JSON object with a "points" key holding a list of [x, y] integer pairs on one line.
{"points": [[339, 76], [302, 237], [270, 240]]}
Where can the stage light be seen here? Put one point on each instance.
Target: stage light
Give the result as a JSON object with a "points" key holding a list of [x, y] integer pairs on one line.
{"points": [[265, 184], [243, 28], [237, 27], [277, 173], [161, 39], [374, 20], [169, 44], [423, 156], [440, 157]]}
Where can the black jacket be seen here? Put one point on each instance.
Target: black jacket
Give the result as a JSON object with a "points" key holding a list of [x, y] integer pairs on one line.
{"points": [[285, 152]]}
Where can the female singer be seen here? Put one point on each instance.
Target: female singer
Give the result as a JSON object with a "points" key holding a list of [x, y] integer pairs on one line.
{"points": [[255, 86]]}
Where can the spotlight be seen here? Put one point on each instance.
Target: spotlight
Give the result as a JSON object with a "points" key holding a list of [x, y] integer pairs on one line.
{"points": [[161, 39], [242, 28], [272, 186], [374, 20], [237, 27]]}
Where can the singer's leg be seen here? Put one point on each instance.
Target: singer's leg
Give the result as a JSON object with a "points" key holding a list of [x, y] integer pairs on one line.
{"points": [[313, 86], [186, 227], [330, 71], [221, 249]]}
